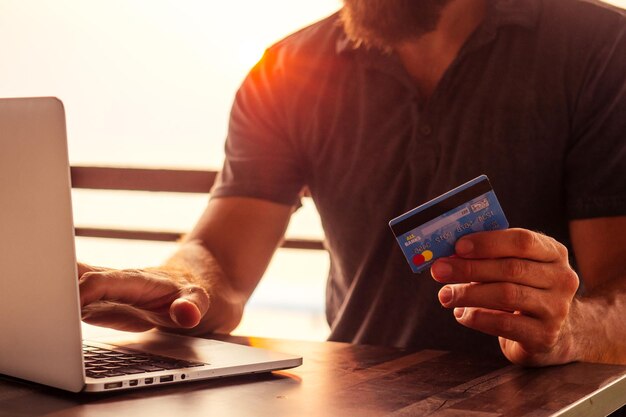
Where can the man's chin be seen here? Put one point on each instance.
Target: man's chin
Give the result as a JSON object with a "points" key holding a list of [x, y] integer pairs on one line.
{"points": [[384, 24]]}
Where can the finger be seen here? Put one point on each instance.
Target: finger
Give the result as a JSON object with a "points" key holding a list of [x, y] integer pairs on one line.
{"points": [[511, 243], [125, 287], [514, 270], [530, 332], [84, 268], [502, 296], [120, 317]]}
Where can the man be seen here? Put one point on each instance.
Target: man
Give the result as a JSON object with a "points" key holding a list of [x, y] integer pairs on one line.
{"points": [[384, 106]]}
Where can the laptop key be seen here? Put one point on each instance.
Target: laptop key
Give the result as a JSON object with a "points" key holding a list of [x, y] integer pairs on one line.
{"points": [[97, 371], [114, 373], [168, 365], [137, 360], [193, 364], [131, 371], [99, 361], [114, 360], [149, 368]]}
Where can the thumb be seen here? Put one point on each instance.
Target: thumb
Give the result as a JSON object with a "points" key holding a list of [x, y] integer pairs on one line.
{"points": [[187, 310], [185, 313]]}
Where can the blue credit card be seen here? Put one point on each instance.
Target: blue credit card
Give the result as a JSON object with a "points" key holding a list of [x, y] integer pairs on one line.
{"points": [[430, 231]]}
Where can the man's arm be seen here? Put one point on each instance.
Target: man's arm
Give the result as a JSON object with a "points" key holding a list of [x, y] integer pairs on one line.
{"points": [[204, 285], [597, 319], [518, 285]]}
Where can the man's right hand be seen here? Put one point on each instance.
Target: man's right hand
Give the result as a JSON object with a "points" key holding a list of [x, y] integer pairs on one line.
{"points": [[204, 286], [138, 300]]}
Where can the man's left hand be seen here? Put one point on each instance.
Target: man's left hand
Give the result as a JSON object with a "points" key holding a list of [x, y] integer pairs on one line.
{"points": [[514, 284]]}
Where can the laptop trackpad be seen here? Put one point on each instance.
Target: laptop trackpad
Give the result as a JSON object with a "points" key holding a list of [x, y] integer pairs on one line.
{"points": [[181, 347]]}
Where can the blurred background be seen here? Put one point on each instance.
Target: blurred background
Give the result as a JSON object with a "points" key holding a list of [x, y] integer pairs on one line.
{"points": [[150, 83]]}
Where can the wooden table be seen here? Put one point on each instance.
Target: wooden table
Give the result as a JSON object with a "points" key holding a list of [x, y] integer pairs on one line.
{"points": [[339, 379]]}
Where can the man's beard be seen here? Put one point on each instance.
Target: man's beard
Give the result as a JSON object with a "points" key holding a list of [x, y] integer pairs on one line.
{"points": [[386, 23]]}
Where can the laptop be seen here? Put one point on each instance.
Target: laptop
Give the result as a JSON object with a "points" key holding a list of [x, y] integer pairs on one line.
{"points": [[40, 320]]}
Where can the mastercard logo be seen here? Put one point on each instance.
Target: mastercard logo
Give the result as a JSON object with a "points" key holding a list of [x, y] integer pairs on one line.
{"points": [[423, 257]]}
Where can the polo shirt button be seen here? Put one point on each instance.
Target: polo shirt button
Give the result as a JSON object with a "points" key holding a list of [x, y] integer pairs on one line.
{"points": [[426, 130]]}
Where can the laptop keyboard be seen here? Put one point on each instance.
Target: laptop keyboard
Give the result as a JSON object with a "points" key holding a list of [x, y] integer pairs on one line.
{"points": [[101, 362]]}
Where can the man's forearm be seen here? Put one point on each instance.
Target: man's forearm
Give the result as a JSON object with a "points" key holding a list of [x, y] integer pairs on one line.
{"points": [[597, 327], [198, 266]]}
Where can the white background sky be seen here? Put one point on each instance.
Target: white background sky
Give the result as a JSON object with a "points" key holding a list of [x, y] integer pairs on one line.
{"points": [[144, 82]]}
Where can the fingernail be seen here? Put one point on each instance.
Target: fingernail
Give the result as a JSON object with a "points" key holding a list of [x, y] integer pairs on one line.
{"points": [[464, 247], [441, 269], [458, 312], [445, 296]]}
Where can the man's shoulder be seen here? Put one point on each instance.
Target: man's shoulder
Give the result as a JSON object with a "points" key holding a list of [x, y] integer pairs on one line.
{"points": [[318, 38], [582, 16], [598, 6], [580, 30], [295, 66]]}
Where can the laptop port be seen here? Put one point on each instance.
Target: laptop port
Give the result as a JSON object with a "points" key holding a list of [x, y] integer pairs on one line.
{"points": [[148, 381], [133, 383], [167, 378], [110, 385]]}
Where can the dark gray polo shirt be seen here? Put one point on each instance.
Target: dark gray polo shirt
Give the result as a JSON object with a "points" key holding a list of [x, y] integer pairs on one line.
{"points": [[536, 99]]}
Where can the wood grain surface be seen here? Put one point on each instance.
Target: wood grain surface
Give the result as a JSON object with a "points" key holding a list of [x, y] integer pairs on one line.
{"points": [[340, 379]]}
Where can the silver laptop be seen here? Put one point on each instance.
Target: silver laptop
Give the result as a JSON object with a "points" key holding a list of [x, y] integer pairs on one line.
{"points": [[40, 326]]}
